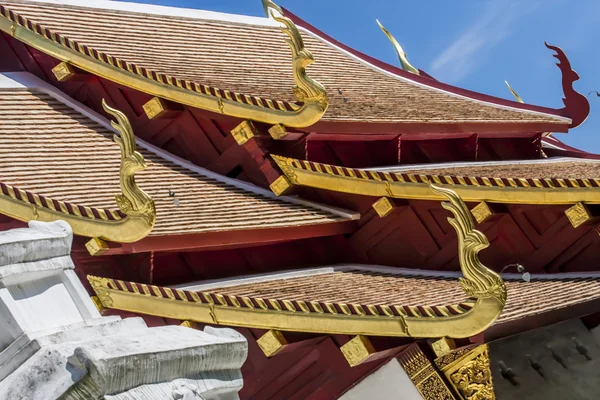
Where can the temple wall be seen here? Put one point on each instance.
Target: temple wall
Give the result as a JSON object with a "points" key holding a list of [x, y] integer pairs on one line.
{"points": [[558, 362], [390, 381]]}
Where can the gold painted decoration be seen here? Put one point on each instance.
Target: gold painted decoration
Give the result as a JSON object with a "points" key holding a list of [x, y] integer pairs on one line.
{"points": [[407, 66], [405, 185], [578, 215], [482, 212], [270, 111], [469, 373], [383, 207], [272, 342], [132, 200], [244, 132], [63, 71], [358, 350], [307, 90], [96, 246]]}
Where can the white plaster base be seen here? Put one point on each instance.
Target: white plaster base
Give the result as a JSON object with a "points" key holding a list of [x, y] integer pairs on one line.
{"points": [[54, 343]]}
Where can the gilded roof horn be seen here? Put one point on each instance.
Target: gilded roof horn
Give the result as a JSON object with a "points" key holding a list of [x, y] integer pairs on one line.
{"points": [[407, 66], [517, 97]]}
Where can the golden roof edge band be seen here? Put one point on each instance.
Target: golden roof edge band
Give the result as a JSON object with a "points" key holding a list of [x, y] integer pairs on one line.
{"points": [[416, 186], [485, 288], [133, 221], [307, 114]]}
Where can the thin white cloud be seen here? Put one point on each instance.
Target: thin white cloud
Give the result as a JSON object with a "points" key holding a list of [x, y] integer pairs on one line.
{"points": [[493, 26]]}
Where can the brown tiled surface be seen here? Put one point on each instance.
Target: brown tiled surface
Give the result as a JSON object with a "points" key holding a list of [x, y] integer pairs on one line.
{"points": [[564, 170], [50, 149], [365, 288], [255, 60]]}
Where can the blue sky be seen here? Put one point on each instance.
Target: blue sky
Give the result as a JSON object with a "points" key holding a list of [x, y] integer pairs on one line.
{"points": [[475, 44]]}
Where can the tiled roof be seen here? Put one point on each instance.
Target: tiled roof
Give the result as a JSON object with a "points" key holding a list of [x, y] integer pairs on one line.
{"points": [[559, 169], [409, 289], [50, 149], [253, 59]]}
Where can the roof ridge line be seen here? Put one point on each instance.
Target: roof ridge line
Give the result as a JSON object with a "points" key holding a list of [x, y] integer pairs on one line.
{"points": [[160, 10]]}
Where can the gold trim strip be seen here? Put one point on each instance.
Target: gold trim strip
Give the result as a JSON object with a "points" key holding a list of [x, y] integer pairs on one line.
{"points": [[499, 193]]}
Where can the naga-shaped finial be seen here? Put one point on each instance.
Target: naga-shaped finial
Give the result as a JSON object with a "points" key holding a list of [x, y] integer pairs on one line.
{"points": [[407, 66], [132, 201], [515, 95], [479, 281], [307, 90], [577, 106]]}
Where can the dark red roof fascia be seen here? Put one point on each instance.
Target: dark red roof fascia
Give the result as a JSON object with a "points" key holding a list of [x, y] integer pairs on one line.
{"points": [[231, 239]]}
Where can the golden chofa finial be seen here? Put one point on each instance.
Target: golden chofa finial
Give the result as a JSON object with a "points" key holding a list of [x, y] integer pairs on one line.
{"points": [[132, 200], [307, 90], [401, 54], [517, 97]]}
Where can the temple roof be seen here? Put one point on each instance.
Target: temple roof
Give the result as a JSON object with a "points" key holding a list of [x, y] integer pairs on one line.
{"points": [[356, 293], [234, 56], [56, 151]]}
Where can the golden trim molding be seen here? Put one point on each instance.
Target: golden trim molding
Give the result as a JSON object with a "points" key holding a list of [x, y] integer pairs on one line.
{"points": [[135, 219], [416, 186], [485, 289], [311, 95]]}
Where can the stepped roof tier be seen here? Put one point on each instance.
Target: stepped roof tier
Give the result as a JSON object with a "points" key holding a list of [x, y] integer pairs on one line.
{"points": [[549, 181], [249, 73], [59, 161], [375, 301]]}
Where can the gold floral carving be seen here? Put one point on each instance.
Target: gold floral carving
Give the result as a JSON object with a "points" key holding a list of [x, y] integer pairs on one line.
{"points": [[307, 90], [424, 375], [132, 200], [471, 375], [407, 66]]}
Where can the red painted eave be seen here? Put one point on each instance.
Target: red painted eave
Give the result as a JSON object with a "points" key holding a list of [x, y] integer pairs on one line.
{"points": [[231, 239], [507, 129]]}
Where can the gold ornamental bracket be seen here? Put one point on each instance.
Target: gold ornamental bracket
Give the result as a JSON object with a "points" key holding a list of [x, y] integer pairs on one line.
{"points": [[410, 186], [133, 221], [310, 94], [485, 289], [406, 65]]}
